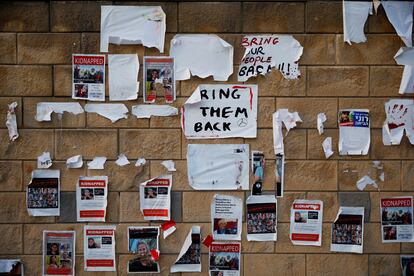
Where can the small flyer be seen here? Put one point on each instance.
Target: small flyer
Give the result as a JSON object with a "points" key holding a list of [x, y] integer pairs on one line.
{"points": [[397, 219], [261, 218], [306, 217], [224, 259], [280, 174], [88, 77], [91, 198], [159, 75], [12, 267], [59, 253], [99, 248], [43, 193], [143, 241], [226, 217], [155, 198], [189, 259], [354, 132]]}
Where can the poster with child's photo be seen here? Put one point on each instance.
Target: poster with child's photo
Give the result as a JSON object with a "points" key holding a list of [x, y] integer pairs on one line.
{"points": [[58, 253], [159, 78]]}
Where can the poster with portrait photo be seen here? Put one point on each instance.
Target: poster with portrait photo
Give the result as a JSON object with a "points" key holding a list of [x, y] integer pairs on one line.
{"points": [[397, 219], [261, 218], [258, 168], [88, 77], [155, 198], [226, 217], [407, 265], [99, 248], [189, 259], [224, 259], [58, 253], [43, 193], [354, 131], [91, 198], [142, 241], [348, 230], [280, 174], [11, 267], [159, 76], [306, 217]]}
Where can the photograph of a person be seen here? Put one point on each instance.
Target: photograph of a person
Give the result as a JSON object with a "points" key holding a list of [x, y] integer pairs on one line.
{"points": [[345, 117], [258, 166], [141, 242], [99, 192], [217, 273], [94, 242], [159, 76], [53, 249], [225, 226], [88, 74], [81, 91], [347, 229], [150, 192], [390, 232], [301, 216], [224, 261], [53, 262], [87, 194], [407, 265], [396, 216], [42, 197], [162, 190], [261, 218]]}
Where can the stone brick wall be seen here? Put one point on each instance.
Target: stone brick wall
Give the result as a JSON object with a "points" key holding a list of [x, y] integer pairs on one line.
{"points": [[36, 43]]}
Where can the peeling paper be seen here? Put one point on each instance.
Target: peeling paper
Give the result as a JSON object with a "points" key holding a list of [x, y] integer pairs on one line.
{"points": [[364, 181], [122, 160], [355, 14], [140, 162], [168, 228], [169, 165], [113, 112], [45, 109], [123, 74], [44, 161], [98, 163], [400, 118], [189, 259], [327, 147], [11, 122], [146, 111], [289, 120], [320, 119], [400, 14], [354, 131], [405, 56], [263, 52], [74, 162], [132, 25], [201, 55]]}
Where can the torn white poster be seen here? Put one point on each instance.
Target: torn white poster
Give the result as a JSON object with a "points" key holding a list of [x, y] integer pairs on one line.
{"points": [[44, 161], [91, 198], [99, 248], [327, 147], [88, 77], [280, 174], [98, 163], [155, 198], [405, 56], [189, 259], [144, 242], [400, 118], [289, 119], [397, 219], [113, 112], [218, 167], [132, 25], [400, 14], [44, 110], [11, 267], [123, 74], [140, 162], [226, 217], [263, 52], [146, 111], [59, 253], [159, 74], [122, 160], [364, 181], [220, 111], [306, 217], [201, 55], [74, 162], [407, 265], [355, 14], [320, 119], [348, 230], [43, 193], [169, 165], [258, 168], [224, 259], [261, 218], [354, 132], [11, 122]]}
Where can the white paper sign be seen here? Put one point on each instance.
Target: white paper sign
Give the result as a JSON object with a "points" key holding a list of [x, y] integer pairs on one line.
{"points": [[123, 74], [226, 217], [43, 193], [44, 161], [354, 131], [400, 14], [91, 198], [155, 198], [189, 259], [261, 218], [99, 248], [306, 217], [355, 14]]}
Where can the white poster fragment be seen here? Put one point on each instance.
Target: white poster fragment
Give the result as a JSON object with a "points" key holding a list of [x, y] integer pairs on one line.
{"points": [[355, 14], [58, 253], [169, 165], [44, 110], [155, 198], [289, 119], [144, 242], [201, 55], [123, 74], [220, 111], [99, 248], [91, 198], [113, 112], [400, 118], [218, 166], [140, 162], [354, 132], [88, 77], [11, 122], [11, 267], [74, 162], [320, 119], [43, 193], [146, 111], [306, 217], [327, 147], [261, 218], [348, 230], [400, 14], [224, 259], [263, 52], [132, 25], [397, 219], [189, 259], [407, 265], [226, 217], [122, 160], [44, 161], [405, 56], [364, 181], [98, 163]]}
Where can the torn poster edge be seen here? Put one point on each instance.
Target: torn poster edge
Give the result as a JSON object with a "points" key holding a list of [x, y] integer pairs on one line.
{"points": [[44, 110], [11, 122], [186, 245], [146, 111], [111, 111]]}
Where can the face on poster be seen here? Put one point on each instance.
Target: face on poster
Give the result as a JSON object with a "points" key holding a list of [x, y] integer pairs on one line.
{"points": [[306, 222], [155, 198], [354, 131], [141, 241], [159, 75], [224, 259], [58, 253], [226, 212], [261, 218], [43, 193], [397, 219], [88, 77], [99, 248], [189, 258], [91, 198]]}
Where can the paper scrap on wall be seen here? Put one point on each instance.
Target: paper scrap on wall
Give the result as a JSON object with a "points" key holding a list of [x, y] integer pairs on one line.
{"points": [[11, 267], [91, 198], [226, 217], [122, 160], [88, 77], [43, 193], [218, 166], [99, 248], [400, 14], [169, 165], [224, 259], [220, 111], [59, 253], [98, 163], [140, 162], [74, 162], [132, 25], [263, 52], [364, 181], [355, 14], [123, 74], [44, 161], [280, 174], [201, 55], [289, 119], [44, 110], [327, 147], [320, 119], [159, 74], [189, 259], [354, 131], [144, 242], [400, 118], [261, 218], [405, 56], [146, 111], [113, 112], [11, 121], [306, 217], [397, 219], [155, 198]]}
